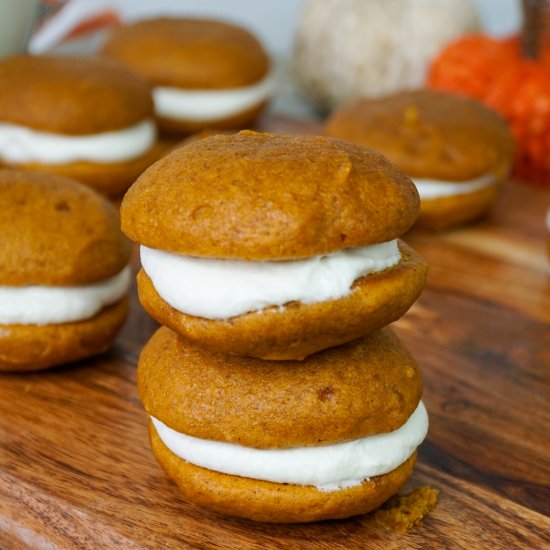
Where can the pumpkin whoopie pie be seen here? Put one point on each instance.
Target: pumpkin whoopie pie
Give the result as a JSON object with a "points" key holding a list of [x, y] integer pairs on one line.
{"points": [[205, 73], [63, 271], [274, 246], [456, 150], [332, 436], [86, 118]]}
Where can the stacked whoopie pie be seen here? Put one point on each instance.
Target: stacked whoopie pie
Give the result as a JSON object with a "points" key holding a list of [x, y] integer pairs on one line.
{"points": [[275, 392]]}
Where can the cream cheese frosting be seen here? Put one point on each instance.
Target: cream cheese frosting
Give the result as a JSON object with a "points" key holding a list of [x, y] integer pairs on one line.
{"points": [[19, 144], [220, 289], [47, 305], [210, 105], [435, 189], [327, 467]]}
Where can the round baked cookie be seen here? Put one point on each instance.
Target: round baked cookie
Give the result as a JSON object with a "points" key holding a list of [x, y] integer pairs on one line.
{"points": [[317, 401], [275, 502], [64, 271], [86, 118], [274, 246], [227, 428], [456, 150], [205, 73], [34, 347], [297, 330]]}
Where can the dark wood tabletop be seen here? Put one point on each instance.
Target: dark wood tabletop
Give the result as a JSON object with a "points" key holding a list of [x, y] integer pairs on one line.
{"points": [[76, 470]]}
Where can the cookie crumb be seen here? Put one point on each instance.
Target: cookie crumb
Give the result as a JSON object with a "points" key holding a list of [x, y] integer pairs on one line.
{"points": [[402, 512]]}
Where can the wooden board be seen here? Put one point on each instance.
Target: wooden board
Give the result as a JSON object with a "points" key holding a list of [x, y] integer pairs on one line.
{"points": [[76, 470]]}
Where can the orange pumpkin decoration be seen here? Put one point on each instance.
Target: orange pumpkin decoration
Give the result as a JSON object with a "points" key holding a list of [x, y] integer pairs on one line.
{"points": [[495, 72]]}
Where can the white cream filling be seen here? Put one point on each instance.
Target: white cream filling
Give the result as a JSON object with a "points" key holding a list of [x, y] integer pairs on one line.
{"points": [[47, 305], [19, 144], [210, 105], [434, 189], [327, 467], [220, 289]]}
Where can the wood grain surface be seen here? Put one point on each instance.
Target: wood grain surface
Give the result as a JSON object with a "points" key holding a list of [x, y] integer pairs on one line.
{"points": [[76, 470]]}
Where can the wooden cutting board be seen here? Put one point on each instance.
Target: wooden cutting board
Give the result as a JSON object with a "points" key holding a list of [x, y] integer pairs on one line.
{"points": [[76, 470]]}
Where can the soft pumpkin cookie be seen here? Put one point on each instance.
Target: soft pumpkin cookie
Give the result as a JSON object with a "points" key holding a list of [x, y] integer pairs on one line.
{"points": [[274, 246], [63, 271], [331, 436], [82, 117], [205, 73], [456, 150]]}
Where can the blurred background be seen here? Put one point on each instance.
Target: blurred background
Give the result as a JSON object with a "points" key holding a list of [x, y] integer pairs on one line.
{"points": [[329, 52], [80, 27], [274, 22]]}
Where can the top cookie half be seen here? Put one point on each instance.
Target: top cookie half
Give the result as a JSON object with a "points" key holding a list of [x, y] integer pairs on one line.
{"points": [[55, 231], [190, 53], [258, 196], [429, 134], [71, 95]]}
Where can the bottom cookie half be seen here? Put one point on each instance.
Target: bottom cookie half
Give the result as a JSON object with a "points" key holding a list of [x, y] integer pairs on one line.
{"points": [[32, 347], [275, 502]]}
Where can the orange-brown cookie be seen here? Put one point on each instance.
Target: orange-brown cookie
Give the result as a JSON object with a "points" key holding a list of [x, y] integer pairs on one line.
{"points": [[261, 197], [195, 55], [368, 387], [275, 502], [32, 347], [298, 330], [269, 404], [63, 271], [57, 232], [254, 196], [445, 212], [56, 106], [456, 149], [428, 134]]}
